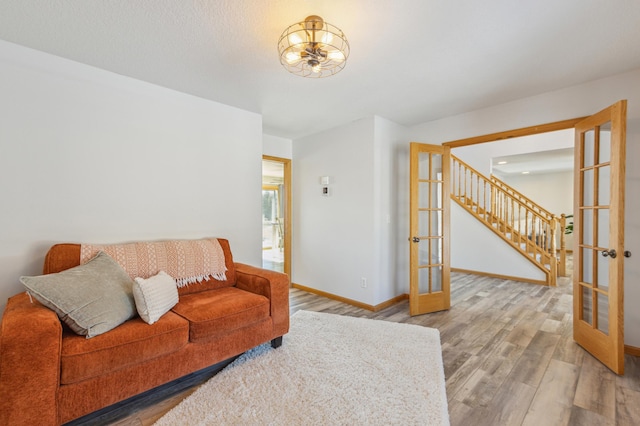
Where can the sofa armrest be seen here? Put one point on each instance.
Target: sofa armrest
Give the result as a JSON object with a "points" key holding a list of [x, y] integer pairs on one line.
{"points": [[30, 346], [271, 284]]}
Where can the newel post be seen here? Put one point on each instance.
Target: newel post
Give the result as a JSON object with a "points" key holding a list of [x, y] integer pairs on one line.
{"points": [[562, 270]]}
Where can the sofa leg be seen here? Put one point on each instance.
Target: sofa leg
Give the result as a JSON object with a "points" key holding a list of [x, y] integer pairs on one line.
{"points": [[276, 343]]}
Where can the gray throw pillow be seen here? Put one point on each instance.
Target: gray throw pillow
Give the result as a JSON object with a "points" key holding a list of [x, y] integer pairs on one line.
{"points": [[91, 298]]}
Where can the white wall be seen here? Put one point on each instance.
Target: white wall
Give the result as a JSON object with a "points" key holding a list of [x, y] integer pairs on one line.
{"points": [[91, 156], [333, 238], [576, 101], [391, 212], [276, 146], [467, 236], [355, 232], [553, 191]]}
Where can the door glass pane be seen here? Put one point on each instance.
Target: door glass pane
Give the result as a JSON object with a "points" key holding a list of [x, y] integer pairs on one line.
{"points": [[604, 181], [587, 194], [436, 195], [436, 250], [423, 252], [436, 278], [604, 151], [603, 228], [423, 280], [587, 266], [423, 195], [436, 167], [603, 272], [603, 313], [436, 225], [423, 223], [587, 227], [423, 165], [587, 305], [589, 148]]}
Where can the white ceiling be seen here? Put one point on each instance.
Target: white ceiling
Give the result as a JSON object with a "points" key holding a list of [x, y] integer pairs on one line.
{"points": [[552, 161], [411, 60]]}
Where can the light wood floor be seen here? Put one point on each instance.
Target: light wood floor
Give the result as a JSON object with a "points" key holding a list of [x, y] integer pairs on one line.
{"points": [[509, 358]]}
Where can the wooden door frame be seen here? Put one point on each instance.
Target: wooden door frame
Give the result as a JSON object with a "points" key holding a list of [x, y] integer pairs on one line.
{"points": [[286, 162], [516, 133], [528, 131]]}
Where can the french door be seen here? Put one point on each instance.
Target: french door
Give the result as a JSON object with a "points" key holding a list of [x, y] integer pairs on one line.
{"points": [[429, 226], [598, 278]]}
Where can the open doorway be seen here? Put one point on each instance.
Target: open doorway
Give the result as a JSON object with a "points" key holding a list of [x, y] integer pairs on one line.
{"points": [[276, 214], [598, 223], [483, 153], [535, 172]]}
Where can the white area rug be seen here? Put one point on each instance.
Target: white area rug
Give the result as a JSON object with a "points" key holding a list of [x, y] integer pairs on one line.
{"points": [[330, 370]]}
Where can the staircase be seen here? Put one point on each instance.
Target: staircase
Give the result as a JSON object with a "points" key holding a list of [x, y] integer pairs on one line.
{"points": [[523, 224]]}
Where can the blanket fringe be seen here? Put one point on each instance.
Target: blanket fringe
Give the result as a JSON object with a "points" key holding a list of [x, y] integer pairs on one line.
{"points": [[183, 282]]}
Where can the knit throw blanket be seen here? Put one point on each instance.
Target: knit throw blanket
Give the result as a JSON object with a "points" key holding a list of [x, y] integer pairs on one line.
{"points": [[187, 261]]}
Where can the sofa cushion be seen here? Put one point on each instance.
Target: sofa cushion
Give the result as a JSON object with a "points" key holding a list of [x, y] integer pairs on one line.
{"points": [[91, 298], [215, 313], [154, 296], [132, 343]]}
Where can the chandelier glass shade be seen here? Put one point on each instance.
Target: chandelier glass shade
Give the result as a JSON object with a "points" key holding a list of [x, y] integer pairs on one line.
{"points": [[313, 48]]}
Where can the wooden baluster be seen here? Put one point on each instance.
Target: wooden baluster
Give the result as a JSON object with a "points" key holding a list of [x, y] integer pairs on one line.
{"points": [[502, 211], [484, 200], [470, 198], [519, 225], [525, 223], [458, 181], [493, 202], [511, 219], [453, 177], [553, 261]]}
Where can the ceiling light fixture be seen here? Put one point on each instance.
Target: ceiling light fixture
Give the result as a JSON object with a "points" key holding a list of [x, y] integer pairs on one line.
{"points": [[313, 48]]}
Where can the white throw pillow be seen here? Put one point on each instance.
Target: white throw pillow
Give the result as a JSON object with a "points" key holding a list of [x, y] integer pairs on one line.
{"points": [[154, 296]]}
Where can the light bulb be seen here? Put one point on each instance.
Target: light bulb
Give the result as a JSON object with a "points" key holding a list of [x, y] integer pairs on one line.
{"points": [[294, 39], [327, 37], [316, 68], [336, 55], [292, 57]]}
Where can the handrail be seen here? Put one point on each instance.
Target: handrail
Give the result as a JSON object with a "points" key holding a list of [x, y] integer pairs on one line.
{"points": [[527, 228], [526, 200]]}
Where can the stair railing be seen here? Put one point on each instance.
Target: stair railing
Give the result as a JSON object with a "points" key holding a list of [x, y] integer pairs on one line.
{"points": [[529, 229], [523, 198], [560, 225]]}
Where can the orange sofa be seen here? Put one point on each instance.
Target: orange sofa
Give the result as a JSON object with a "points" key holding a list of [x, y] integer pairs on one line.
{"points": [[49, 375]]}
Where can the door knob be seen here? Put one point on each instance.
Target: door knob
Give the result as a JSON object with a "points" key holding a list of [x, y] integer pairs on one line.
{"points": [[415, 240], [627, 253], [611, 253]]}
